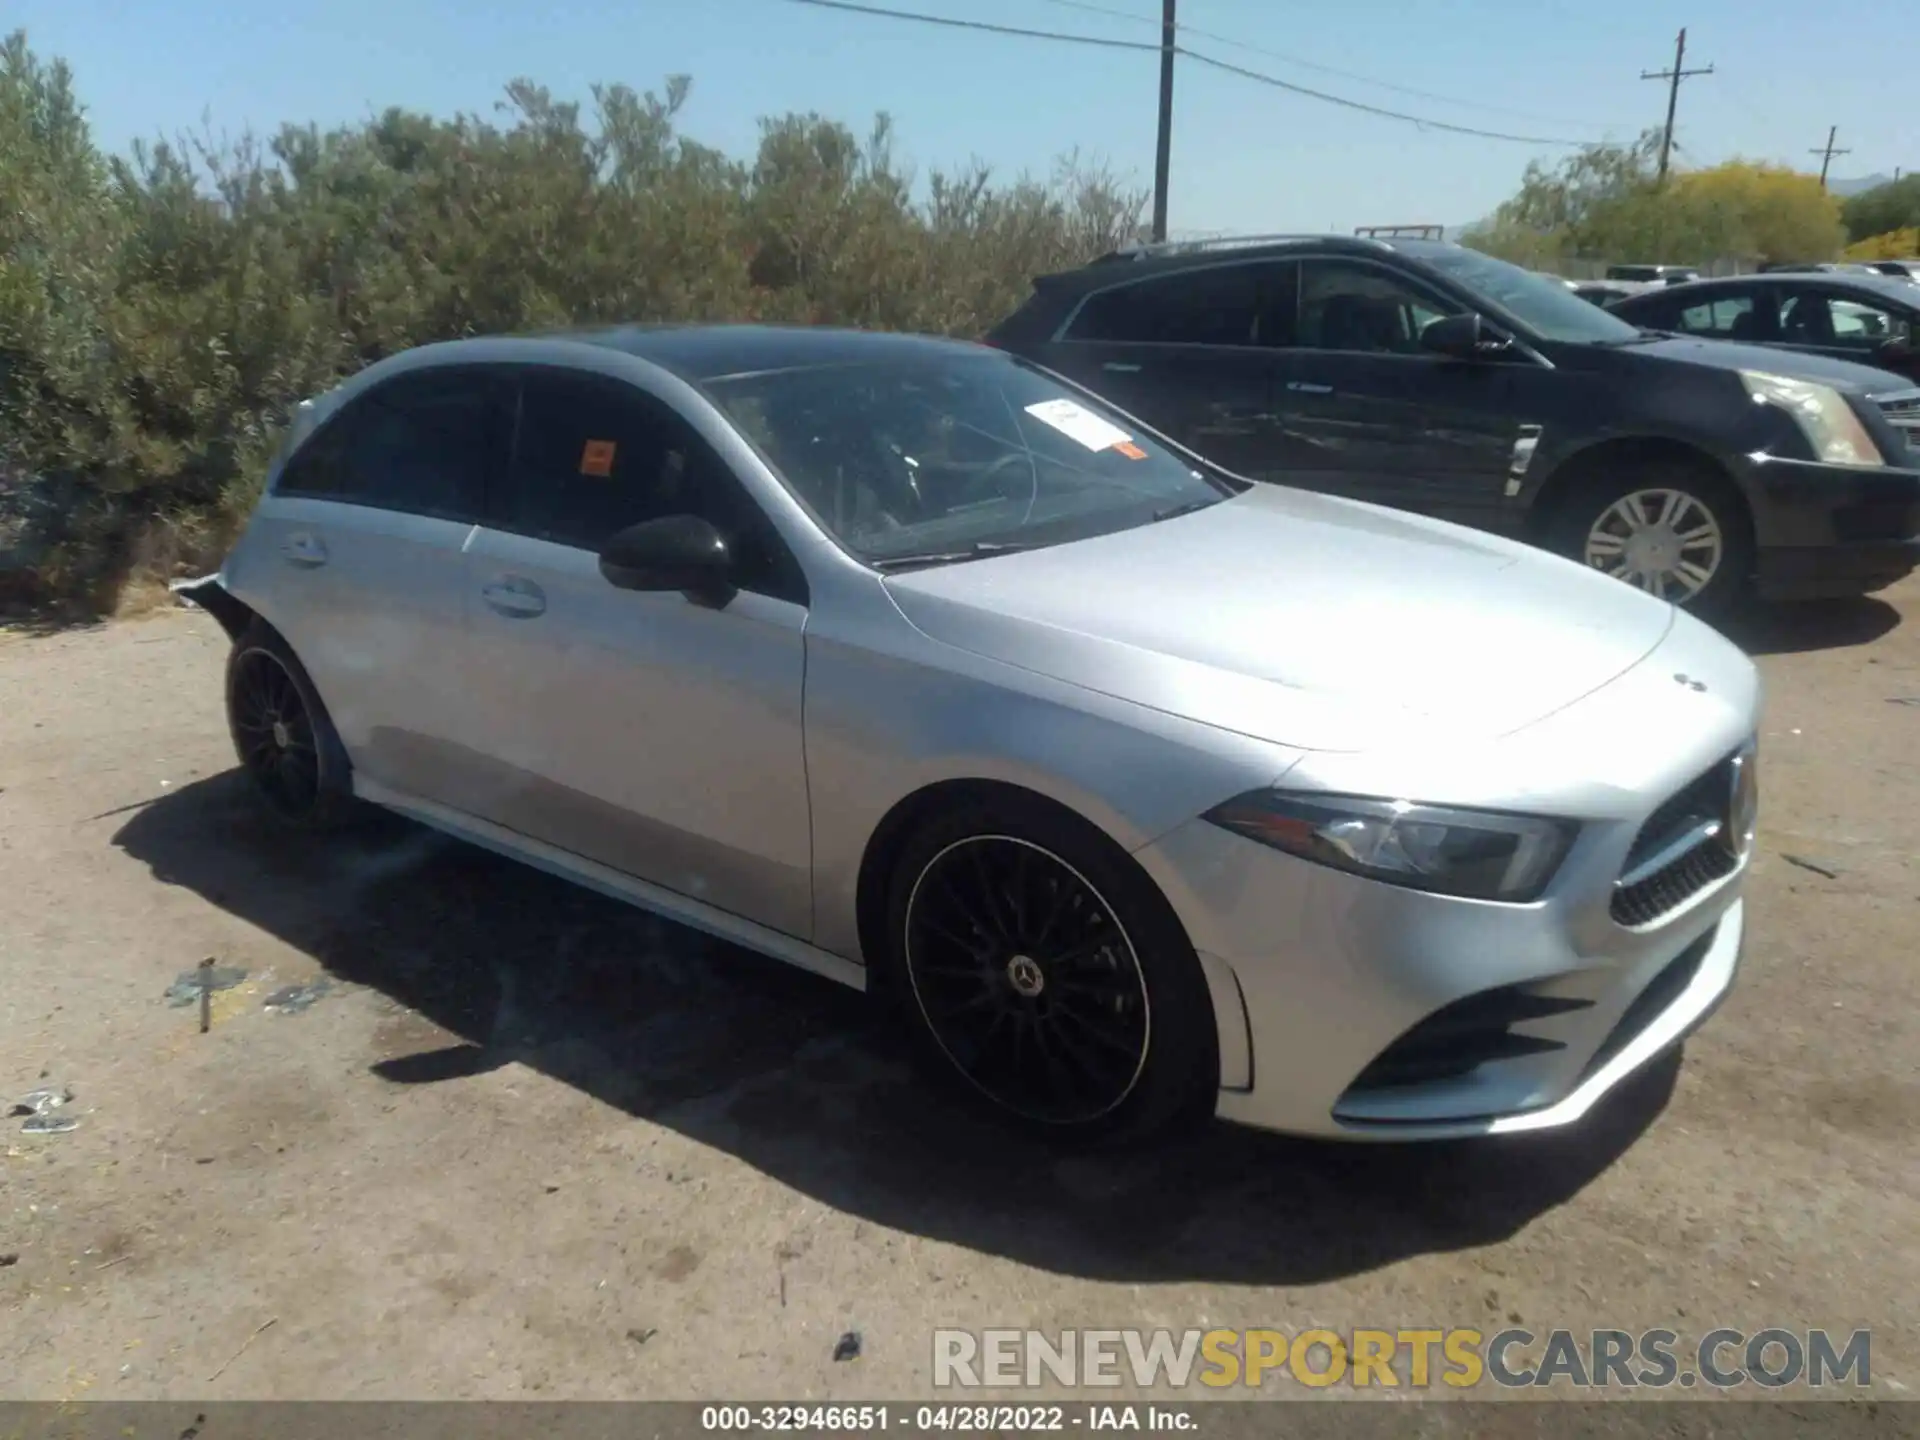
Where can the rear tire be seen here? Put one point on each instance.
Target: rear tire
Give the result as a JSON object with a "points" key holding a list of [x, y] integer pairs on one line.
{"points": [[283, 736], [1678, 530], [1040, 969]]}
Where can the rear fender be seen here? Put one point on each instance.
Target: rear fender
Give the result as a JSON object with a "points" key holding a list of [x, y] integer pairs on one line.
{"points": [[212, 596]]}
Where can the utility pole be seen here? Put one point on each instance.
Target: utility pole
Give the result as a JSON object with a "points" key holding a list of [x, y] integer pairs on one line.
{"points": [[1674, 77], [1827, 152], [1163, 150]]}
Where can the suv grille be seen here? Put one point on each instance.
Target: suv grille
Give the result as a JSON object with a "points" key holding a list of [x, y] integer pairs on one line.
{"points": [[1691, 841], [1903, 413]]}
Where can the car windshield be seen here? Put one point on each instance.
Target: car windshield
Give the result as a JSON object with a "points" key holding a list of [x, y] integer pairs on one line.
{"points": [[1546, 307], [938, 460]]}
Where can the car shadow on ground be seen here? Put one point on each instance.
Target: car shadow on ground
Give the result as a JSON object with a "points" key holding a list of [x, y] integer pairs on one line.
{"points": [[806, 1082], [1814, 625]]}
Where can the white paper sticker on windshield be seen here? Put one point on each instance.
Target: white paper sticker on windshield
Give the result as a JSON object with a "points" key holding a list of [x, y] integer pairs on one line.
{"points": [[1076, 422]]}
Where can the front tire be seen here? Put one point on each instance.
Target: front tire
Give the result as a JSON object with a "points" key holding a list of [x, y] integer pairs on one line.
{"points": [[1039, 967], [283, 736], [1676, 530]]}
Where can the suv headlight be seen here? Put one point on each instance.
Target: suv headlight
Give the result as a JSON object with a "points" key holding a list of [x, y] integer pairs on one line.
{"points": [[1823, 415], [1475, 854]]}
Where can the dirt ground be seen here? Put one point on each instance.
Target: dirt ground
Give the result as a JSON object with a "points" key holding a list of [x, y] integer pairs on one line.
{"points": [[533, 1144]]}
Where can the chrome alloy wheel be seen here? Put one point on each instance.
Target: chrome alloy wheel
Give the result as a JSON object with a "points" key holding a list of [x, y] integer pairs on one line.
{"points": [[1026, 979], [1666, 542]]}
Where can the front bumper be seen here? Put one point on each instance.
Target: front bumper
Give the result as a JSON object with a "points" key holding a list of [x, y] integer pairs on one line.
{"points": [[1350, 1008], [1824, 531]]}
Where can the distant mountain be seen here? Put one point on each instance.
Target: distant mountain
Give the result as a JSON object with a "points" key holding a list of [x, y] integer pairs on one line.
{"points": [[1844, 188]]}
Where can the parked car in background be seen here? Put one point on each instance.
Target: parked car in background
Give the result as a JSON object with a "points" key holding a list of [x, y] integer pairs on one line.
{"points": [[1137, 792], [1605, 292], [1653, 274], [1434, 378], [1824, 267], [1899, 269], [1869, 318]]}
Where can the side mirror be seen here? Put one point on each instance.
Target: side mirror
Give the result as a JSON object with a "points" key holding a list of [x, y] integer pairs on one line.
{"points": [[1464, 337], [675, 552]]}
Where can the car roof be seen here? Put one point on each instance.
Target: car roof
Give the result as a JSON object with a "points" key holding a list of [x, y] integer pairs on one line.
{"points": [[1141, 260], [1867, 283], [701, 353]]}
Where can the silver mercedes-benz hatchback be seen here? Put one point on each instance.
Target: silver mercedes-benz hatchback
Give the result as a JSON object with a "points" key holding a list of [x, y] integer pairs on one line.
{"points": [[1138, 791]]}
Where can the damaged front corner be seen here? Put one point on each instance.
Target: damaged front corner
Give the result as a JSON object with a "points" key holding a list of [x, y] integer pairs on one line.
{"points": [[212, 596]]}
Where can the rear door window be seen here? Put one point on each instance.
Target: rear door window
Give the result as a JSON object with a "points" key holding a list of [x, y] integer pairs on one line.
{"points": [[1245, 305], [422, 443], [1729, 315], [593, 455]]}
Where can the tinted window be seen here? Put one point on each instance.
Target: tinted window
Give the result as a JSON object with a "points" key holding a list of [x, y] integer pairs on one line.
{"points": [[1728, 315], [1347, 306], [592, 455], [421, 443], [1217, 305], [936, 456]]}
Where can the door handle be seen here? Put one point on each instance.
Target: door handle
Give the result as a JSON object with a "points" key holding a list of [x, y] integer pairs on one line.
{"points": [[1309, 387], [306, 551], [1117, 368], [517, 599]]}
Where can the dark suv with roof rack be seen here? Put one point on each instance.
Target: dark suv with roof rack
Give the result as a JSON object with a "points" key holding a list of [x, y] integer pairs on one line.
{"points": [[1436, 379]]}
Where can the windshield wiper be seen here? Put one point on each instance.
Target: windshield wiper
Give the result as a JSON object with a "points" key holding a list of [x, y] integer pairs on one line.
{"points": [[1174, 512], [978, 550]]}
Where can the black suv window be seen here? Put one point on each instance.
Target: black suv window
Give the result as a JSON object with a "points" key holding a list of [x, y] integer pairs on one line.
{"points": [[1727, 314], [1349, 306], [593, 455], [421, 442], [1213, 305]]}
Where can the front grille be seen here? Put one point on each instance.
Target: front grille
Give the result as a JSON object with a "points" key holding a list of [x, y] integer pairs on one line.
{"points": [[1650, 1003], [1702, 811], [1458, 1038], [1903, 413], [1672, 886]]}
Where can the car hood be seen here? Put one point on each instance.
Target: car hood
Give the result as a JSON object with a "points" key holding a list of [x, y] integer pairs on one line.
{"points": [[1731, 355], [1299, 619]]}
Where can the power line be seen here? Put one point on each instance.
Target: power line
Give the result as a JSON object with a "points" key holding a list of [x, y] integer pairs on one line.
{"points": [[1358, 79], [1675, 76], [1200, 59], [948, 21]]}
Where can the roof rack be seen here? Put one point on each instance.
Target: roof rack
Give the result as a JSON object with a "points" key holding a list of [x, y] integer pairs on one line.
{"points": [[1148, 249], [1401, 232]]}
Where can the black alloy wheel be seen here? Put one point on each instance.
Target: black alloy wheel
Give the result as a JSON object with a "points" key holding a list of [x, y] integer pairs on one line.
{"points": [[274, 733], [1027, 980], [283, 736]]}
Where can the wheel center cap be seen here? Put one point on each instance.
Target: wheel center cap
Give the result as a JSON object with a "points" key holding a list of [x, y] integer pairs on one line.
{"points": [[1026, 976], [282, 736], [1654, 549]]}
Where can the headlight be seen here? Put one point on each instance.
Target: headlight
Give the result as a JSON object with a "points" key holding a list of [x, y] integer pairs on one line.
{"points": [[1823, 415], [1470, 853]]}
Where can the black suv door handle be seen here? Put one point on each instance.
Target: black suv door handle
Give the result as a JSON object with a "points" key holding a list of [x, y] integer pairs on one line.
{"points": [[1118, 368], [1308, 387]]}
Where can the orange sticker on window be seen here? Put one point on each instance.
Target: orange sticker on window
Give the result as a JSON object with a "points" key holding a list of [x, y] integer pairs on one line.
{"points": [[596, 458], [1131, 450]]}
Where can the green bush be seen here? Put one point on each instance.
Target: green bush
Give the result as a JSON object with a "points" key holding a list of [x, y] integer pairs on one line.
{"points": [[160, 313]]}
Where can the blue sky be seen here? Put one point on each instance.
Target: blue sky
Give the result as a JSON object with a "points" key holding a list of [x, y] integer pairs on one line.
{"points": [[1245, 156]]}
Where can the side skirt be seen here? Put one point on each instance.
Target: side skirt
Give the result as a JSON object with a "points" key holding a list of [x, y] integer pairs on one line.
{"points": [[614, 884]]}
